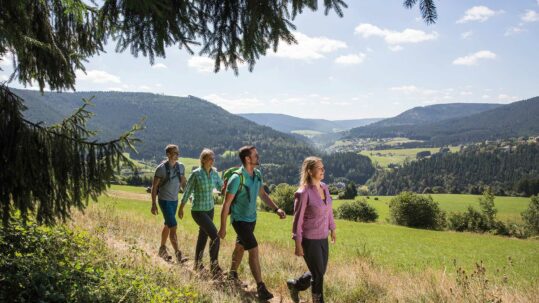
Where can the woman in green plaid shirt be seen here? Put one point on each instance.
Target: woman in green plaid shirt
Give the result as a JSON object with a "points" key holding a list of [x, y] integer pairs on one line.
{"points": [[200, 186]]}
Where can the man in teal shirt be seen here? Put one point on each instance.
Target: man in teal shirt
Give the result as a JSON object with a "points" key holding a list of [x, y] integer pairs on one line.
{"points": [[243, 215]]}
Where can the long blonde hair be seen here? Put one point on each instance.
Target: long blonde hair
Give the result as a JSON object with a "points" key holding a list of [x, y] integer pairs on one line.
{"points": [[308, 165], [204, 155]]}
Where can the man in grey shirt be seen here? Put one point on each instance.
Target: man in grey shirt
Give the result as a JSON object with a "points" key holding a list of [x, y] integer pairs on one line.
{"points": [[169, 176]]}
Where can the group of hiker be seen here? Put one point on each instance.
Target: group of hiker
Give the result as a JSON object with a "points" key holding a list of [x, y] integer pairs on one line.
{"points": [[313, 219]]}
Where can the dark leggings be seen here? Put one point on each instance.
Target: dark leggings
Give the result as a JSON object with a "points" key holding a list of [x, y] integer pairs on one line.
{"points": [[315, 253], [204, 219]]}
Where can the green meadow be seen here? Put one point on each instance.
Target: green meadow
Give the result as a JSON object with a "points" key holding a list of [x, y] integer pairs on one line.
{"points": [[393, 247], [398, 156], [509, 208]]}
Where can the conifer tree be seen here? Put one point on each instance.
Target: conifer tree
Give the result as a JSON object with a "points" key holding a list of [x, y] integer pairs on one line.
{"points": [[47, 171]]}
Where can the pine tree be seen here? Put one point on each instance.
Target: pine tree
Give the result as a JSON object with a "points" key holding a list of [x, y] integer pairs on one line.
{"points": [[47, 171]]}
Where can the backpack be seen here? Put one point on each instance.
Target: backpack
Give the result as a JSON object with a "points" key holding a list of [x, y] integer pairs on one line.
{"points": [[226, 174], [178, 173]]}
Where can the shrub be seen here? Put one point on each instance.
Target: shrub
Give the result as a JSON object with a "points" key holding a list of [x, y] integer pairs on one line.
{"points": [[333, 189], [56, 264], [531, 216], [350, 191], [358, 210], [470, 220], [409, 209], [283, 197]]}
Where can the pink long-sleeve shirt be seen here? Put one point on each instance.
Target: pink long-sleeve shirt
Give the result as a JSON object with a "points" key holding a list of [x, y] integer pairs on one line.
{"points": [[313, 217]]}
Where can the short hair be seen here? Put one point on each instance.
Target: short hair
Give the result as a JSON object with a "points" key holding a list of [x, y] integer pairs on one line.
{"points": [[245, 151], [171, 147]]}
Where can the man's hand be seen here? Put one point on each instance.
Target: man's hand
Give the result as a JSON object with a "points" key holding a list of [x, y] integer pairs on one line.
{"points": [[180, 213], [281, 213], [154, 209], [333, 237], [222, 232]]}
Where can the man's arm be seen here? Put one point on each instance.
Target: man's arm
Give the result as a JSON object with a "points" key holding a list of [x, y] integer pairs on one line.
{"points": [[224, 214], [266, 198], [155, 187]]}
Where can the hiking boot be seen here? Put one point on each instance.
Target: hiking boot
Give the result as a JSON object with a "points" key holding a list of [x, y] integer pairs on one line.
{"points": [[294, 292], [216, 272], [263, 292], [163, 253], [232, 276], [199, 267], [179, 257]]}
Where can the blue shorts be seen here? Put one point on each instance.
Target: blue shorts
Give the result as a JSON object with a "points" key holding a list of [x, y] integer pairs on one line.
{"points": [[168, 208]]}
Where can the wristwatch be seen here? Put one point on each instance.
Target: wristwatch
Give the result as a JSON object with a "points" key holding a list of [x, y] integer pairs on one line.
{"points": [[276, 210]]}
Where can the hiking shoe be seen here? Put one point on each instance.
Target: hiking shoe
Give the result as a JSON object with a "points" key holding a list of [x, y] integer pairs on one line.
{"points": [[216, 272], [294, 292], [199, 267], [232, 276], [163, 253], [263, 292], [179, 257]]}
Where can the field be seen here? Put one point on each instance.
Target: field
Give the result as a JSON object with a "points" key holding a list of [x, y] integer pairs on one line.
{"points": [[398, 156], [377, 260], [509, 208]]}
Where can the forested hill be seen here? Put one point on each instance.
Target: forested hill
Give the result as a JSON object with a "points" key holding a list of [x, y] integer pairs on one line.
{"points": [[287, 124], [435, 113], [191, 122], [511, 120], [501, 167]]}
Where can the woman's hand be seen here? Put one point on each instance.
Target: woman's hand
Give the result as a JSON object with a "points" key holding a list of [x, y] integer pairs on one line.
{"points": [[299, 250], [333, 237]]}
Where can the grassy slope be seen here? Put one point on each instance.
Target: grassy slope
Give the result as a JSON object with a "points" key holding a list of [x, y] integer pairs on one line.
{"points": [[394, 247]]}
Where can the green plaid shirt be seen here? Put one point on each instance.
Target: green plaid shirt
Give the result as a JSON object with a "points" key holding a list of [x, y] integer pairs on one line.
{"points": [[201, 186]]}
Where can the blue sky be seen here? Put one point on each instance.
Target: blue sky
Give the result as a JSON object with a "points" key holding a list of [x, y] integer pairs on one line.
{"points": [[377, 61]]}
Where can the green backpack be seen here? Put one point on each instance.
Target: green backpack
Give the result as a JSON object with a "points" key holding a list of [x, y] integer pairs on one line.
{"points": [[226, 174]]}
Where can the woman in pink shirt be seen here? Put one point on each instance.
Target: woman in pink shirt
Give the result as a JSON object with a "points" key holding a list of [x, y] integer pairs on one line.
{"points": [[313, 222]]}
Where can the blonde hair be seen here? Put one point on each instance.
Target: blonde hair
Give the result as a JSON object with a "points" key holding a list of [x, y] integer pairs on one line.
{"points": [[204, 155], [308, 165]]}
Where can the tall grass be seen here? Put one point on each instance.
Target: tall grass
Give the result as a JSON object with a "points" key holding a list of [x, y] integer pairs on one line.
{"points": [[369, 263]]}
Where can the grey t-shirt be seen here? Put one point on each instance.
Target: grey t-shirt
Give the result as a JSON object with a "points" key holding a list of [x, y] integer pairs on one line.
{"points": [[170, 190]]}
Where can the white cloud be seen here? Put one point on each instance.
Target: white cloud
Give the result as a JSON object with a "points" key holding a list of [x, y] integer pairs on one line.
{"points": [[466, 35], [97, 76], [513, 30], [479, 14], [530, 16], [159, 66], [307, 48], [144, 87], [395, 48], [473, 58], [6, 61], [466, 93], [236, 105], [201, 64], [3, 78], [407, 89], [351, 59], [506, 97], [394, 38]]}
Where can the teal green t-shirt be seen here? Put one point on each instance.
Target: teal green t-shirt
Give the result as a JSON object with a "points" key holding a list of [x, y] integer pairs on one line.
{"points": [[244, 206]]}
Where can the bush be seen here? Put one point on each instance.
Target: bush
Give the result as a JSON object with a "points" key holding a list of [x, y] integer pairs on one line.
{"points": [[283, 197], [333, 189], [531, 216], [56, 264], [358, 210], [409, 209], [350, 191], [470, 220]]}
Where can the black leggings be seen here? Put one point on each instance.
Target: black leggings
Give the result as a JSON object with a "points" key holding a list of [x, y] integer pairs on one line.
{"points": [[315, 253], [204, 219]]}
